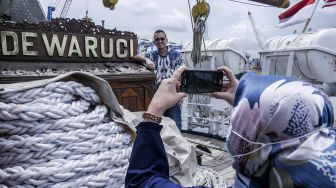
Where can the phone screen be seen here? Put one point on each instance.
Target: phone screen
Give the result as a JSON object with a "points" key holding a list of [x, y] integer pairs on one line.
{"points": [[201, 81]]}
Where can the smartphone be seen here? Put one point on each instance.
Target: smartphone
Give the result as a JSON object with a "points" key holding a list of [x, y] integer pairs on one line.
{"points": [[201, 81]]}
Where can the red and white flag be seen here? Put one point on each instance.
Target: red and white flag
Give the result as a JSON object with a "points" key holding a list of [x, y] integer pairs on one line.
{"points": [[329, 3], [298, 13]]}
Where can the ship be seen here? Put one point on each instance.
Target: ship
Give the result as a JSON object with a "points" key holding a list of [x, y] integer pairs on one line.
{"points": [[206, 121]]}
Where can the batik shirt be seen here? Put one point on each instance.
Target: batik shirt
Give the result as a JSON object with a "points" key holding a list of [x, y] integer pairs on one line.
{"points": [[165, 65]]}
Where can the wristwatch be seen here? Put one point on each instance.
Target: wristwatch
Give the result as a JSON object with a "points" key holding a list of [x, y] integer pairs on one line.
{"points": [[152, 117]]}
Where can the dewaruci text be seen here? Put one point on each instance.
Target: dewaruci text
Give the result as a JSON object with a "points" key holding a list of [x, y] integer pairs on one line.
{"points": [[29, 45]]}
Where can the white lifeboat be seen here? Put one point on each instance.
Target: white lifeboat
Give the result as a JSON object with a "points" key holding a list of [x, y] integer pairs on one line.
{"points": [[220, 52], [311, 56]]}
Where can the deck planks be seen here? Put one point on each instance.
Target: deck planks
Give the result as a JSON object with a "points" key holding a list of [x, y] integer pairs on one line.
{"points": [[219, 159]]}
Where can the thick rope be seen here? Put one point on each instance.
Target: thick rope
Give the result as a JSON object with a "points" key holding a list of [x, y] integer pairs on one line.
{"points": [[57, 91], [60, 135], [209, 178]]}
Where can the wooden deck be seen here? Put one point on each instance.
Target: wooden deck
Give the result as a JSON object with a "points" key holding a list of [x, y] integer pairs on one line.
{"points": [[219, 159]]}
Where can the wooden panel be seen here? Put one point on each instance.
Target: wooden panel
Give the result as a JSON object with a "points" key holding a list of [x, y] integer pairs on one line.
{"points": [[131, 100], [134, 93]]}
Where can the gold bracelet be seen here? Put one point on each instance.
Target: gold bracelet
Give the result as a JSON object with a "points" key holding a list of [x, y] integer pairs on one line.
{"points": [[152, 117]]}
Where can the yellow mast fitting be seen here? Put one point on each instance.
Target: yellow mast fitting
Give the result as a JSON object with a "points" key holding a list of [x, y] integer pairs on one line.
{"points": [[110, 3], [200, 9]]}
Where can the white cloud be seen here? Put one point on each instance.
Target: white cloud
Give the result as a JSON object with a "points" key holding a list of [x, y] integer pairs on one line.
{"points": [[138, 6], [226, 20], [173, 21]]}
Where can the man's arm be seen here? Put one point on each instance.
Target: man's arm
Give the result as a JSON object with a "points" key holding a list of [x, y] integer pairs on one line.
{"points": [[145, 61], [179, 60]]}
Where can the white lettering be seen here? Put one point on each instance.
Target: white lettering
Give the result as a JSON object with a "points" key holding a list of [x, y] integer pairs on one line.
{"points": [[58, 47], [74, 47], [131, 48], [13, 35], [102, 46], [50, 47], [121, 53], [26, 44], [90, 47]]}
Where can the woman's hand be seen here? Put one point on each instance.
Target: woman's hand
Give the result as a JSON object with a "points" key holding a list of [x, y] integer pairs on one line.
{"points": [[229, 89], [168, 94]]}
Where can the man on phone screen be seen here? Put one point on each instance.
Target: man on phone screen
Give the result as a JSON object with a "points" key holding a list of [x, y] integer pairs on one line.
{"points": [[163, 62]]}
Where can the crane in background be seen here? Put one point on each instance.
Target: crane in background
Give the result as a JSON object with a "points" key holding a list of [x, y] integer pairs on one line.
{"points": [[64, 12], [65, 8], [107, 3], [255, 30]]}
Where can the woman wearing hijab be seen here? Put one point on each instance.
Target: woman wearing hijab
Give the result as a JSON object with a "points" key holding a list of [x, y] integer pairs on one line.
{"points": [[282, 134]]}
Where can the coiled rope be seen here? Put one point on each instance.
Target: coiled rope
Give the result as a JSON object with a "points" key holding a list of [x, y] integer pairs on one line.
{"points": [[60, 135], [209, 178]]}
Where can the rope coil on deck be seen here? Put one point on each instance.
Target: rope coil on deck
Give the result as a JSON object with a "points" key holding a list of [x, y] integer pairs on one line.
{"points": [[209, 178], [60, 135]]}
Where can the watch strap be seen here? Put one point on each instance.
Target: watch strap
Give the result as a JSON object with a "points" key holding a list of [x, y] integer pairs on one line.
{"points": [[152, 117]]}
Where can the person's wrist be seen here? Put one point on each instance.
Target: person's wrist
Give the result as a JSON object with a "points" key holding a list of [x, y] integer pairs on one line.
{"points": [[154, 112], [155, 109]]}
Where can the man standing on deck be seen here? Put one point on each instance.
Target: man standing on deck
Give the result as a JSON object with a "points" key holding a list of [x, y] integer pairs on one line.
{"points": [[164, 62]]}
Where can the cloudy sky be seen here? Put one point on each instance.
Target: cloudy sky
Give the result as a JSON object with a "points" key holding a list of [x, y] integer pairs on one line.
{"points": [[227, 19]]}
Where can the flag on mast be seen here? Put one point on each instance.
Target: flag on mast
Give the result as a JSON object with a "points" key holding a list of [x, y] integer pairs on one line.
{"points": [[329, 3], [298, 13]]}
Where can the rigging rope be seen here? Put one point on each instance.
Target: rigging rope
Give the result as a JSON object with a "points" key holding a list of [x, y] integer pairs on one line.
{"points": [[198, 27], [198, 31], [253, 4], [191, 21]]}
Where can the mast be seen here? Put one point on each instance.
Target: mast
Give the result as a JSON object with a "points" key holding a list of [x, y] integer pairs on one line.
{"points": [[311, 16], [255, 29]]}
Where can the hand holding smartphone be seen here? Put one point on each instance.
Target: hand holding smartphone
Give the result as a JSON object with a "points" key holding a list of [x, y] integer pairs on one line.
{"points": [[201, 81]]}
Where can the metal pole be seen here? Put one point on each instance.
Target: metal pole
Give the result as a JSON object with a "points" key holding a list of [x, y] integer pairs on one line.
{"points": [[311, 16], [103, 23], [255, 30], [306, 25], [191, 20]]}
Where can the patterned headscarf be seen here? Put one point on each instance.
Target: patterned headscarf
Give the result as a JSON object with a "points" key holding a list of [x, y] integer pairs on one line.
{"points": [[282, 134]]}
